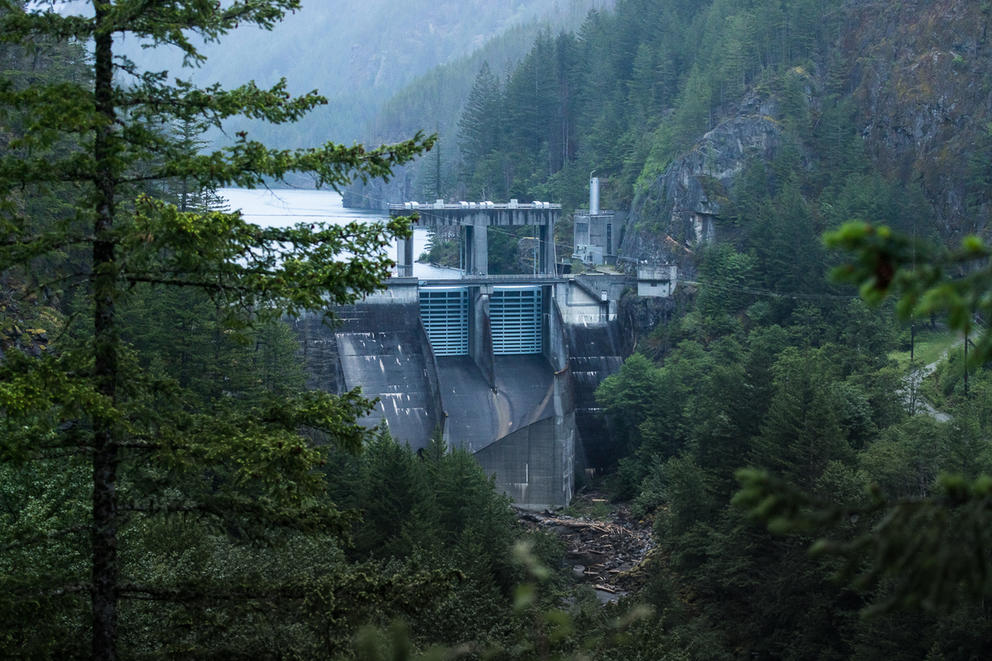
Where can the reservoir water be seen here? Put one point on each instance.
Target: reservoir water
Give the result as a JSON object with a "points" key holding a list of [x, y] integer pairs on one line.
{"points": [[282, 207]]}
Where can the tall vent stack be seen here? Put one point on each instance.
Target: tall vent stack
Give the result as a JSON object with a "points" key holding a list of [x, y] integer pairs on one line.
{"points": [[594, 196]]}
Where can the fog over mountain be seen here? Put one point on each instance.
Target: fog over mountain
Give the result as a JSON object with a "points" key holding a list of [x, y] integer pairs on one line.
{"points": [[358, 53]]}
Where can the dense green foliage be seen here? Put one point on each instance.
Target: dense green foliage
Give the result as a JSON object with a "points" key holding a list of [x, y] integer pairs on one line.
{"points": [[632, 89], [132, 413], [169, 487], [769, 364], [811, 403]]}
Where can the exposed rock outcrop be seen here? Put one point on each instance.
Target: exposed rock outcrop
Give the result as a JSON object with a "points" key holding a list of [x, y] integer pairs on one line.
{"points": [[639, 316], [920, 74], [676, 213]]}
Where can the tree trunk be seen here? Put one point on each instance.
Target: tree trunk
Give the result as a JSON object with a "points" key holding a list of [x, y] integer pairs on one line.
{"points": [[104, 589]]}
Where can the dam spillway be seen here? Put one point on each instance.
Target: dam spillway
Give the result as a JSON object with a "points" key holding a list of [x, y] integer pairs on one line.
{"points": [[486, 361], [525, 412]]}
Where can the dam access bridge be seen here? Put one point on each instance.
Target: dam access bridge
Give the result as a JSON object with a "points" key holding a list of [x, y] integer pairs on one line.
{"points": [[474, 220], [502, 366]]}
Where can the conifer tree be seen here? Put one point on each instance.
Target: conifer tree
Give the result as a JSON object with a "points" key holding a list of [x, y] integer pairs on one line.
{"points": [[107, 138], [480, 128], [802, 432]]}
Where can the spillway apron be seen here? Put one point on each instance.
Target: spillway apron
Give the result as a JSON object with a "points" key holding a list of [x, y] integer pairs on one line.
{"points": [[444, 311], [515, 316]]}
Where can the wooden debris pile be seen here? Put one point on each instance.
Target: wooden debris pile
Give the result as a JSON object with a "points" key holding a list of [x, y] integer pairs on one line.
{"points": [[606, 554]]}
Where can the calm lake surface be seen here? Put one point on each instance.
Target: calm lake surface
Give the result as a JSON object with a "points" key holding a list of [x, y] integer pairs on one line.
{"points": [[287, 206]]}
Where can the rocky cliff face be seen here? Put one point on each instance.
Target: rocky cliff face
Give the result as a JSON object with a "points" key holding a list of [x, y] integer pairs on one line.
{"points": [[921, 74], [918, 73], [677, 212]]}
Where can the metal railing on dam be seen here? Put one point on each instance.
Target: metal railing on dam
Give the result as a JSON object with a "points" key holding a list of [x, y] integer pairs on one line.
{"points": [[470, 206], [495, 280]]}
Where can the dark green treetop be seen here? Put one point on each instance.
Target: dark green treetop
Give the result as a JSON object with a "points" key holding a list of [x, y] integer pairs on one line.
{"points": [[925, 549]]}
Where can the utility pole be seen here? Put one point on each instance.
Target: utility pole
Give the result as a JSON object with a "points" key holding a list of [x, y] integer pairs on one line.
{"points": [[912, 341], [437, 168], [966, 362], [912, 316]]}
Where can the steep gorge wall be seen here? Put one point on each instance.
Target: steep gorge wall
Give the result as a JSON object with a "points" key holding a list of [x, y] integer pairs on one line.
{"points": [[920, 72], [918, 75], [677, 212]]}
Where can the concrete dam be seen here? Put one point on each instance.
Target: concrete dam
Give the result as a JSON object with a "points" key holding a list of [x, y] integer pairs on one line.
{"points": [[504, 367]]}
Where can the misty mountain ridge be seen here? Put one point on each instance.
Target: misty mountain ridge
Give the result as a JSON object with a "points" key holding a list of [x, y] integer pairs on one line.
{"points": [[357, 53]]}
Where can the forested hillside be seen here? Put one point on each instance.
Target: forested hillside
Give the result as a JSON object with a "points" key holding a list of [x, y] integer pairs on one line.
{"points": [[170, 488], [668, 102], [358, 53], [435, 100]]}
